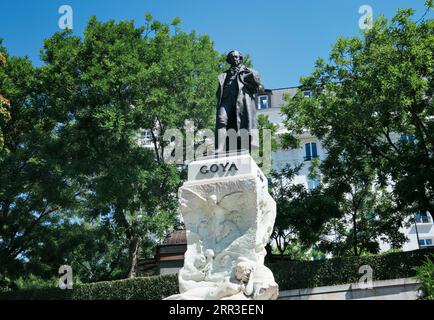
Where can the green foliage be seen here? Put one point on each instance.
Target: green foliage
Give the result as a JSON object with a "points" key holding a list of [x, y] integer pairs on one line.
{"points": [[4, 107], [308, 274], [96, 251], [368, 213], [301, 215], [296, 252], [425, 274], [75, 186], [32, 283], [265, 123], [371, 91], [151, 288], [32, 183], [372, 109], [288, 274]]}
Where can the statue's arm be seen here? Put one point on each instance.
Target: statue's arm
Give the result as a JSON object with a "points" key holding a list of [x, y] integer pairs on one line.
{"points": [[254, 79], [258, 81], [248, 290]]}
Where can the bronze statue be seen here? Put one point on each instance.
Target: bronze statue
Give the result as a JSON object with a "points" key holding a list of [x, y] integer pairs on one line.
{"points": [[236, 96]]}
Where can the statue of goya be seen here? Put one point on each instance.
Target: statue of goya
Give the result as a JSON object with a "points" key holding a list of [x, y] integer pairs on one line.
{"points": [[236, 106]]}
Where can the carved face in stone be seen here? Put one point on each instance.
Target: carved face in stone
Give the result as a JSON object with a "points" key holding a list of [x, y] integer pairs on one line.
{"points": [[200, 262], [209, 254], [243, 270]]}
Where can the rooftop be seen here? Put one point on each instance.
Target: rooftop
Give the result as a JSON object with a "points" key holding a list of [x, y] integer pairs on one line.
{"points": [[177, 237]]}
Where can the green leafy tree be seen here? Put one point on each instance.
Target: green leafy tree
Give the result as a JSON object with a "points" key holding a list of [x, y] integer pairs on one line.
{"points": [[301, 214], [372, 103], [369, 214], [265, 123], [425, 274], [95, 250], [76, 186], [32, 183], [4, 103], [108, 86]]}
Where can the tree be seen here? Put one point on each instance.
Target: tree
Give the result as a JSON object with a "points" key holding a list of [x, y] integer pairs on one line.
{"points": [[108, 86], [4, 103], [32, 183], [369, 214], [374, 101], [75, 185], [301, 214]]}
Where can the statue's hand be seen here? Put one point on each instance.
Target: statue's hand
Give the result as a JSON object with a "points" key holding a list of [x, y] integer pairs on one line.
{"points": [[251, 80], [247, 75]]}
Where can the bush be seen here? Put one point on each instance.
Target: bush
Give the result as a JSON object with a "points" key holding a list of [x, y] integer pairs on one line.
{"points": [[308, 274], [151, 288], [288, 274], [425, 274]]}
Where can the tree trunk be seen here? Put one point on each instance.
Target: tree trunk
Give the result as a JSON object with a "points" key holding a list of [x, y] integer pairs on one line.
{"points": [[269, 250], [355, 240], [133, 252]]}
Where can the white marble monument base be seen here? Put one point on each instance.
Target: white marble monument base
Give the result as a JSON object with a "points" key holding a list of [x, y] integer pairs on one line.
{"points": [[229, 216]]}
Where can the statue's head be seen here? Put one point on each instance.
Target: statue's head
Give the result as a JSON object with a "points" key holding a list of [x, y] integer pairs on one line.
{"points": [[243, 269], [234, 58], [209, 254]]}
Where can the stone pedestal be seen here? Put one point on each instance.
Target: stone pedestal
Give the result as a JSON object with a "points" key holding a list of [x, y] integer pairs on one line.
{"points": [[229, 216]]}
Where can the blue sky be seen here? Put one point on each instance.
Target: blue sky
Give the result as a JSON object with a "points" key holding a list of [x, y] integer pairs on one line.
{"points": [[283, 37]]}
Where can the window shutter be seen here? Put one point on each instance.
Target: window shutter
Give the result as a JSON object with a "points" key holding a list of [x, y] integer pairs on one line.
{"points": [[308, 153], [314, 151]]}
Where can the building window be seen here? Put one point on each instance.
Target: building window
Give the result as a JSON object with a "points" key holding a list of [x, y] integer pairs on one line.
{"points": [[147, 138], [312, 184], [263, 103], [407, 138], [144, 138], [311, 151], [307, 94], [423, 217], [425, 242]]}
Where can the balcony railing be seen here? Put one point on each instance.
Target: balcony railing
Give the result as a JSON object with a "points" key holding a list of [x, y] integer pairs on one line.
{"points": [[309, 158], [424, 220]]}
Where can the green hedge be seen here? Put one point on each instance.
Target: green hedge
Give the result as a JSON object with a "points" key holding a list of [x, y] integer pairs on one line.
{"points": [[288, 274], [302, 274], [151, 288]]}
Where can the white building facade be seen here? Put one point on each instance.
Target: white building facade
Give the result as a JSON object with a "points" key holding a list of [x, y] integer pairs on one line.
{"points": [[420, 234]]}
